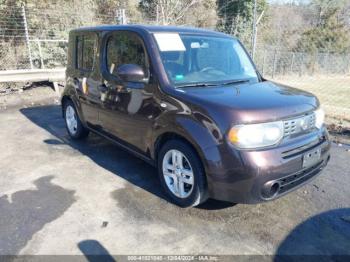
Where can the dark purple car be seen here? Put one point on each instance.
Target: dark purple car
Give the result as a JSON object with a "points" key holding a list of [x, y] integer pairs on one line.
{"points": [[192, 103]]}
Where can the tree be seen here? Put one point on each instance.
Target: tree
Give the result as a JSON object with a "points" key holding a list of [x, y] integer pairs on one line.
{"points": [[328, 32], [167, 12], [278, 32], [236, 17], [202, 14]]}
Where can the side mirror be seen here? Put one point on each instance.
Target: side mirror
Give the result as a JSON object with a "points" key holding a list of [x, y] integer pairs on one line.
{"points": [[131, 73]]}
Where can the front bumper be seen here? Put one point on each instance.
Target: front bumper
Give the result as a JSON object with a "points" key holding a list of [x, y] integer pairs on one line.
{"points": [[247, 176]]}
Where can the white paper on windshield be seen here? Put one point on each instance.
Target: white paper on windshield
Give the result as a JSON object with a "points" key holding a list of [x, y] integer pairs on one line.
{"points": [[169, 42]]}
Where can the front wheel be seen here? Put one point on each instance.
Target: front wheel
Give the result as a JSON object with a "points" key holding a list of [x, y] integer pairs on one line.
{"points": [[181, 174], [75, 128]]}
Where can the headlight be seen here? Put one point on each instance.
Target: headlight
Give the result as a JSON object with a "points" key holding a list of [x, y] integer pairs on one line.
{"points": [[256, 135], [320, 115]]}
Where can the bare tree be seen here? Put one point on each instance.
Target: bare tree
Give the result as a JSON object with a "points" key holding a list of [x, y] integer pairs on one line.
{"points": [[202, 14], [167, 12]]}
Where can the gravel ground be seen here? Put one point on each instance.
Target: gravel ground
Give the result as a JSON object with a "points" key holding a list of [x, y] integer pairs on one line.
{"points": [[58, 196], [28, 96]]}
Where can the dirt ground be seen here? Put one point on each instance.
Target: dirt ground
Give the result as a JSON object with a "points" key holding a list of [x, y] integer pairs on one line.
{"points": [[59, 196]]}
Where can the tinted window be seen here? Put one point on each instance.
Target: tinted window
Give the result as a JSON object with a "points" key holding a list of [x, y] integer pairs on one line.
{"points": [[86, 46], [125, 48]]}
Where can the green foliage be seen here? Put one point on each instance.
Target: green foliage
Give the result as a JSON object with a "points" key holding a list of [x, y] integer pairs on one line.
{"points": [[148, 8], [12, 18], [329, 33], [317, 26], [236, 17]]}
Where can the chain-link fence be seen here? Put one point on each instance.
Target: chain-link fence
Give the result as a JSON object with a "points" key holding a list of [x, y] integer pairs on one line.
{"points": [[273, 63], [32, 37], [327, 75], [36, 38], [14, 55]]}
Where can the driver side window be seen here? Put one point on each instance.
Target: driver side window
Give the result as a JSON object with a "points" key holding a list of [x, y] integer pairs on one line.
{"points": [[126, 48]]}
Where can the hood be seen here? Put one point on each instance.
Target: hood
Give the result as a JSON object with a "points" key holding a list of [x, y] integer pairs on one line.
{"points": [[249, 103]]}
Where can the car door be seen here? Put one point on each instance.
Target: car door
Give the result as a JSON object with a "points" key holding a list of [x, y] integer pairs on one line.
{"points": [[127, 107], [86, 79]]}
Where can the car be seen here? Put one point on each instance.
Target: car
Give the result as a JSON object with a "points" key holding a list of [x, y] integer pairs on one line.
{"points": [[192, 103]]}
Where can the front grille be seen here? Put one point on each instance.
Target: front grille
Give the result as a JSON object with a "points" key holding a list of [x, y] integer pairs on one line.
{"points": [[296, 179], [299, 125]]}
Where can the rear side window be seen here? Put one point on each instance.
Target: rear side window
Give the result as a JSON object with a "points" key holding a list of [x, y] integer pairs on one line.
{"points": [[125, 48], [86, 49]]}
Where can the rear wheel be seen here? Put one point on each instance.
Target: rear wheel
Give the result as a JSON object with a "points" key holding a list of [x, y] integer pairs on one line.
{"points": [[75, 128], [181, 174]]}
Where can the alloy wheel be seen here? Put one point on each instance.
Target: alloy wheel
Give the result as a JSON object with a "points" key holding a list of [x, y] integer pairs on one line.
{"points": [[71, 120], [178, 173]]}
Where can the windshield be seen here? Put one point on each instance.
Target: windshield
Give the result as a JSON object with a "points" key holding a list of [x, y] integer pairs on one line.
{"points": [[194, 59]]}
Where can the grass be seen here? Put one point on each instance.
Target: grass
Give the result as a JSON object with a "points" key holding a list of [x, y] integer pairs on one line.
{"points": [[333, 92]]}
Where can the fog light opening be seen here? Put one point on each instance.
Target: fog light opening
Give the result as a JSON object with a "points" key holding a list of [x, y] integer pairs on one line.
{"points": [[274, 189], [270, 189]]}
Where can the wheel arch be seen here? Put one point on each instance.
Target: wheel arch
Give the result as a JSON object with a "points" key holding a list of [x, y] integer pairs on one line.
{"points": [[64, 100], [68, 97], [171, 135]]}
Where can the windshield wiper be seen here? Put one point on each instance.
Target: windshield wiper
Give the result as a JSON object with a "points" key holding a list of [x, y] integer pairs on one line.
{"points": [[212, 84], [197, 85], [236, 82]]}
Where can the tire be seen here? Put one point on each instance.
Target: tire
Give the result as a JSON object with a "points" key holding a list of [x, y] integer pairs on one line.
{"points": [[75, 128], [175, 178]]}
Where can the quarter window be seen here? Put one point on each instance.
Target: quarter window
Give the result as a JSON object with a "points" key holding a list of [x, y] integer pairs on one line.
{"points": [[125, 48], [86, 49]]}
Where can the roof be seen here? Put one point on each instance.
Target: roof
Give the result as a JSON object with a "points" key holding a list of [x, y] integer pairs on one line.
{"points": [[152, 29]]}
